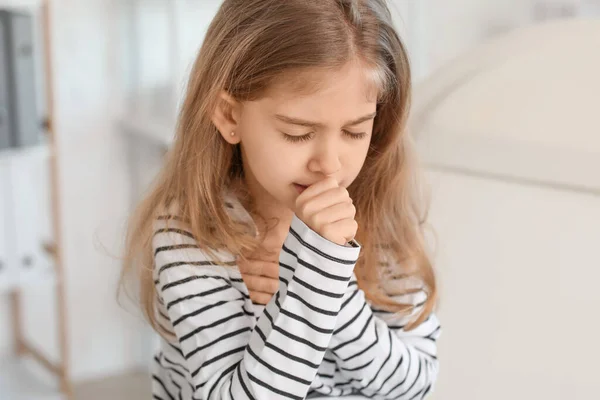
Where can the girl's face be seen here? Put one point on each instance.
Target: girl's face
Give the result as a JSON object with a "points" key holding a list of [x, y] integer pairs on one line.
{"points": [[292, 141]]}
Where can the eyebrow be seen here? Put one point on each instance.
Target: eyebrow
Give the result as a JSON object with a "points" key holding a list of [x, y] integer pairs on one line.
{"points": [[311, 124]]}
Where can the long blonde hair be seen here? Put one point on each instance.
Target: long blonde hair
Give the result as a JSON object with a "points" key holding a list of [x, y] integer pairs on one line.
{"points": [[249, 46]]}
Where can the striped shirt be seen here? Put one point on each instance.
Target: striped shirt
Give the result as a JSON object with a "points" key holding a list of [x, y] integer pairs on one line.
{"points": [[318, 336]]}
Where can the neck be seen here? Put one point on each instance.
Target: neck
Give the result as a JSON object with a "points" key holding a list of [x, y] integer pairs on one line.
{"points": [[272, 218]]}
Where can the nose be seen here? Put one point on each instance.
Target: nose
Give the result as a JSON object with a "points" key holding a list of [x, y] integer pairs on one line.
{"points": [[326, 159]]}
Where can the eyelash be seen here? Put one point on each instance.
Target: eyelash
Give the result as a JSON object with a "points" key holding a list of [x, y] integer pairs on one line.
{"points": [[308, 136]]}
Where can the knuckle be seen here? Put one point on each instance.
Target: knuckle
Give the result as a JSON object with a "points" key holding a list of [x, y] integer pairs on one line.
{"points": [[303, 208], [266, 298], [327, 231], [263, 285], [250, 284], [258, 298], [352, 209], [316, 220]]}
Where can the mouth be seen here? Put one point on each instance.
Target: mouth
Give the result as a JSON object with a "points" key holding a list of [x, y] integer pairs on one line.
{"points": [[300, 188]]}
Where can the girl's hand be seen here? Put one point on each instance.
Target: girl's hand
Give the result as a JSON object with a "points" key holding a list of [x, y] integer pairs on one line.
{"points": [[328, 210], [261, 278]]}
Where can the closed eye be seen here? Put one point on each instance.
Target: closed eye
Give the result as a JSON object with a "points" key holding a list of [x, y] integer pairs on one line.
{"points": [[355, 135], [309, 136], [297, 139]]}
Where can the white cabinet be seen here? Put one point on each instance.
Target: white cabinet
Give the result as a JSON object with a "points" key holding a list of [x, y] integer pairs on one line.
{"points": [[6, 256], [30, 213], [24, 217]]}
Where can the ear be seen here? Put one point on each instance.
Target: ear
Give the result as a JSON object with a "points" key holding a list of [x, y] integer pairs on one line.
{"points": [[226, 117]]}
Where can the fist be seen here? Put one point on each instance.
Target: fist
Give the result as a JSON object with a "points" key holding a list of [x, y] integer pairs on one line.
{"points": [[327, 209]]}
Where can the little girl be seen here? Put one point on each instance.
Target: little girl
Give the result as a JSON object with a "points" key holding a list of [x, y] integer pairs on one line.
{"points": [[280, 252]]}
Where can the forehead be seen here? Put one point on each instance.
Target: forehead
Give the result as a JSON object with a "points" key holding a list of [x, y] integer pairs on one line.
{"points": [[352, 86]]}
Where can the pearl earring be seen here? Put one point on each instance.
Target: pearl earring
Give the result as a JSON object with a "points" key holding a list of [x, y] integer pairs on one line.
{"points": [[232, 134]]}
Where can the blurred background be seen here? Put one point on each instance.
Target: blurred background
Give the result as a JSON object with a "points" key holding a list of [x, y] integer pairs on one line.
{"points": [[505, 117]]}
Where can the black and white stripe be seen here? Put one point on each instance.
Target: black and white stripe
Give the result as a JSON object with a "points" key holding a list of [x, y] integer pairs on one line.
{"points": [[316, 336]]}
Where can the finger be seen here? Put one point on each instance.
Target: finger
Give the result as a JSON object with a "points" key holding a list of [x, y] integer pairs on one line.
{"points": [[259, 268], [324, 200], [332, 214], [261, 284], [317, 188], [260, 298]]}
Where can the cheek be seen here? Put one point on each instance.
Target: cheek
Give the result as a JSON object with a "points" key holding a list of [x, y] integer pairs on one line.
{"points": [[355, 160], [271, 160], [357, 156]]}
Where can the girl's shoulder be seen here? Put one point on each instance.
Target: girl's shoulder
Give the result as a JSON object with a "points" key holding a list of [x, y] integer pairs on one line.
{"points": [[174, 243], [170, 215]]}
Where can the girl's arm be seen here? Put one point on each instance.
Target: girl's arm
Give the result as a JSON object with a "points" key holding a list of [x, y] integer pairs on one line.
{"points": [[225, 356], [376, 356]]}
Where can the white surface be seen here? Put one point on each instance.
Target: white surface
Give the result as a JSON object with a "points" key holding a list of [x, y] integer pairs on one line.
{"points": [[6, 257], [534, 163], [28, 279], [525, 97], [518, 269], [25, 219], [24, 380]]}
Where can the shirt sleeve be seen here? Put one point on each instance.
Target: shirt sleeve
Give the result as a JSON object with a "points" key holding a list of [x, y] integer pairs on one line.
{"points": [[374, 353], [226, 354]]}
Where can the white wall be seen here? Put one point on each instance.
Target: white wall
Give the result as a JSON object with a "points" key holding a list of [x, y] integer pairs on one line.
{"points": [[446, 29], [95, 187], [518, 270], [449, 28]]}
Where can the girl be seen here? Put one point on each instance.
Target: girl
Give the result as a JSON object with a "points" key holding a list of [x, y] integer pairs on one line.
{"points": [[289, 184]]}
